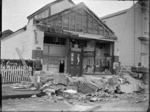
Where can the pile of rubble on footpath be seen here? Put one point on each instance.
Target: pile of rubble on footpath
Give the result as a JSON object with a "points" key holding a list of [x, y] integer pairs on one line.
{"points": [[63, 86]]}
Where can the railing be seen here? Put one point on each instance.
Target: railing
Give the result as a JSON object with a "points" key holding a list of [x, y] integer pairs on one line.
{"points": [[13, 74]]}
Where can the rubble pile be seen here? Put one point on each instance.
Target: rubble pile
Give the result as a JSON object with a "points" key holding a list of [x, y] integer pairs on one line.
{"points": [[62, 87]]}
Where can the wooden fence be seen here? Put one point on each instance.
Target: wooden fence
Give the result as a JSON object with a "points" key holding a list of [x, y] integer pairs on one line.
{"points": [[13, 74]]}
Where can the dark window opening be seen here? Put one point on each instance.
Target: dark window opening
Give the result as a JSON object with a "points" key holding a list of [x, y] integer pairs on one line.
{"points": [[54, 40], [76, 42]]}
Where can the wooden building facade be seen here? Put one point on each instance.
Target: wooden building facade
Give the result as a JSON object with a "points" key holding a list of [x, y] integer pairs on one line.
{"points": [[76, 42], [72, 40]]}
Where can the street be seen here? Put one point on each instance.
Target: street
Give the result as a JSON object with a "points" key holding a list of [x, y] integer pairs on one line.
{"points": [[121, 103]]}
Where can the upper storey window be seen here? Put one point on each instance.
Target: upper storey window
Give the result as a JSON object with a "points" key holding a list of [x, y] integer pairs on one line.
{"points": [[43, 14]]}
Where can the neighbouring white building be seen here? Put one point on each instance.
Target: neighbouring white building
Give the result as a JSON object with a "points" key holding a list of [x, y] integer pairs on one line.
{"points": [[131, 26]]}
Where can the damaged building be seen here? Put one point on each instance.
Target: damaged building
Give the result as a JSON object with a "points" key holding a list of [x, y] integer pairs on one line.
{"points": [[69, 39]]}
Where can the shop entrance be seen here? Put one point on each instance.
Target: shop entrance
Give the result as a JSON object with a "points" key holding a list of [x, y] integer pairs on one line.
{"points": [[75, 63]]}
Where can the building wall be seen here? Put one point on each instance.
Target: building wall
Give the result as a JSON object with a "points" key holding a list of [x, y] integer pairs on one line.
{"points": [[23, 40], [128, 43], [38, 40], [60, 6]]}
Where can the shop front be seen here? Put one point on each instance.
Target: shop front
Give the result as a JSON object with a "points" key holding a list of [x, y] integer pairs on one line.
{"points": [[77, 42], [90, 57], [69, 53]]}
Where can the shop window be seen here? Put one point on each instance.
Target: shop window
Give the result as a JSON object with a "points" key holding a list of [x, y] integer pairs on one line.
{"points": [[88, 57], [88, 64], [103, 61], [102, 64]]}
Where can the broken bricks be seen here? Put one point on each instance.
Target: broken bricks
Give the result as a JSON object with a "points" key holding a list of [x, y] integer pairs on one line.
{"points": [[60, 79], [86, 88], [132, 85], [113, 80], [94, 99]]}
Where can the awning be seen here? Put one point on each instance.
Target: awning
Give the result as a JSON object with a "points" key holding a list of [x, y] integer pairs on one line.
{"points": [[74, 34], [91, 36]]}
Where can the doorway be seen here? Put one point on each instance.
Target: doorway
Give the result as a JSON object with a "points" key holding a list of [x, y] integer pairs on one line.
{"points": [[75, 63], [62, 66]]}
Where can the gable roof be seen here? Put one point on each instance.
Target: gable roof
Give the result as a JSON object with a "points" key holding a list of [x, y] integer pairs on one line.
{"points": [[46, 6], [78, 6]]}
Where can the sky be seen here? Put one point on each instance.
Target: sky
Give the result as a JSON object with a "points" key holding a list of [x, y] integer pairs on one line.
{"points": [[15, 12]]}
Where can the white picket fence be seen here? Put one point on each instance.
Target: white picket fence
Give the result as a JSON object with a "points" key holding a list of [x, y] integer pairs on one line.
{"points": [[15, 74]]}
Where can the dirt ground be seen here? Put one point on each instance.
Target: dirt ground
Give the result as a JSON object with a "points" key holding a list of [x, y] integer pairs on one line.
{"points": [[121, 103]]}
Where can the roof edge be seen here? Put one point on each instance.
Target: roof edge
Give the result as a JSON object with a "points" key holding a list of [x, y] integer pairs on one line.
{"points": [[47, 5], [14, 33], [90, 11], [114, 14]]}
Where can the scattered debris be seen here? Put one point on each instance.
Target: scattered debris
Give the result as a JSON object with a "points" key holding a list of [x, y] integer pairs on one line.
{"points": [[33, 96], [94, 99], [60, 79], [142, 100], [60, 98], [113, 80], [82, 89], [70, 91], [86, 88]]}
